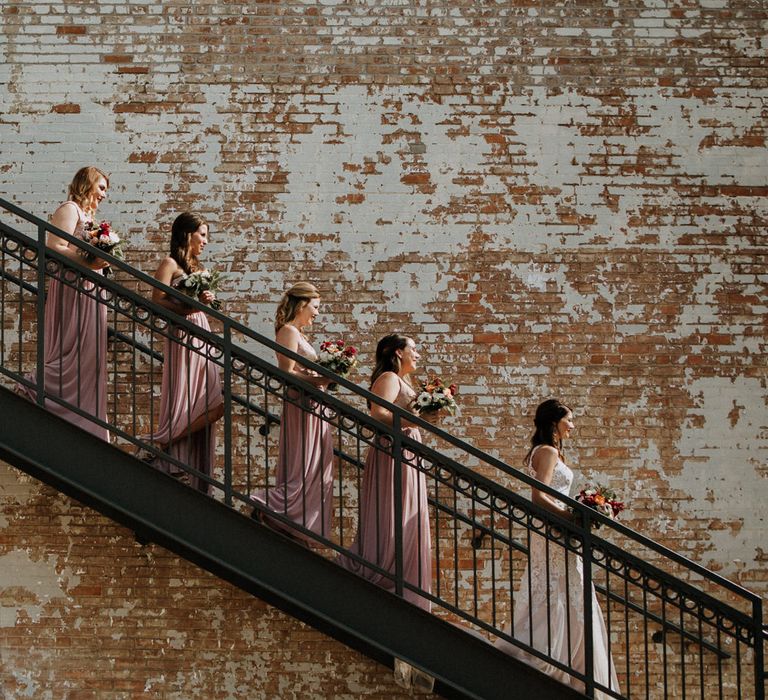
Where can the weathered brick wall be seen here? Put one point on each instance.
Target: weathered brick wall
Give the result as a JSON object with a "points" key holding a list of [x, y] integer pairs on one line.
{"points": [[554, 198], [85, 612]]}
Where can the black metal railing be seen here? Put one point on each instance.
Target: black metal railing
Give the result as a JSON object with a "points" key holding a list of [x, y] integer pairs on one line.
{"points": [[462, 544]]}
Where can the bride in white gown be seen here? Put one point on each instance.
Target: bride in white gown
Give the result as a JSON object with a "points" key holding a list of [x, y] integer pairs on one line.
{"points": [[548, 620]]}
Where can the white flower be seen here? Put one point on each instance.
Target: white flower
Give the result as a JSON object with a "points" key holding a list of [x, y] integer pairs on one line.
{"points": [[324, 356], [189, 282], [424, 399]]}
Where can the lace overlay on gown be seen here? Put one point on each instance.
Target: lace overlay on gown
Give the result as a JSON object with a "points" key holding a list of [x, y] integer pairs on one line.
{"points": [[552, 582]]}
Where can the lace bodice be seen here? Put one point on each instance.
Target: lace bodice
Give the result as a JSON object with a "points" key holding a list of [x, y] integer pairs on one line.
{"points": [[562, 476]]}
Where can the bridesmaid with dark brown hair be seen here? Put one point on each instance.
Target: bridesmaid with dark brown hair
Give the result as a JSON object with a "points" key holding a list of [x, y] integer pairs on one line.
{"points": [[75, 323], [191, 399], [396, 358], [304, 489]]}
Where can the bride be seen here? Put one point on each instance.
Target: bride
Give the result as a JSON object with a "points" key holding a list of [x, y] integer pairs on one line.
{"points": [[548, 620]]}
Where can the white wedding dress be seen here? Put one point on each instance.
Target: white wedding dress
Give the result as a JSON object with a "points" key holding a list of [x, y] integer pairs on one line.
{"points": [[530, 616]]}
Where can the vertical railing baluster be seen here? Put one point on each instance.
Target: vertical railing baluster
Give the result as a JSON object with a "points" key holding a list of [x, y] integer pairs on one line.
{"points": [[227, 336], [719, 661], [608, 619], [510, 554], [438, 577], [493, 560], [247, 414], [455, 543], [701, 654], [646, 665], [664, 662], [589, 649], [2, 306], [41, 260], [759, 649], [682, 647], [397, 456], [627, 683], [473, 518]]}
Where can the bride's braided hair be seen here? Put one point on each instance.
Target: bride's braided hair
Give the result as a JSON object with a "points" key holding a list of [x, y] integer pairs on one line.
{"points": [[548, 414]]}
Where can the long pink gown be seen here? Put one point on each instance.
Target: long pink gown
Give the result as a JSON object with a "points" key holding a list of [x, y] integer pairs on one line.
{"points": [[190, 388], [303, 491], [375, 539], [550, 616], [75, 346]]}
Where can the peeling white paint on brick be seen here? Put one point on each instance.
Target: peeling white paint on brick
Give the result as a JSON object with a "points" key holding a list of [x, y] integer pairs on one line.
{"points": [[40, 581]]}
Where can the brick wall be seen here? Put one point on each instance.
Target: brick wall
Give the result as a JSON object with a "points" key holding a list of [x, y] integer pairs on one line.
{"points": [[554, 198]]}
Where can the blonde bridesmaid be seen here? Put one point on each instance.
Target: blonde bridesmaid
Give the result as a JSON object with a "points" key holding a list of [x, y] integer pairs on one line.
{"points": [[75, 343], [303, 491]]}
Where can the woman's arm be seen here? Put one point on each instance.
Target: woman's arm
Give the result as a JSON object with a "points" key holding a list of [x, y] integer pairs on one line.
{"points": [[165, 275], [543, 463], [387, 386], [288, 336], [66, 218]]}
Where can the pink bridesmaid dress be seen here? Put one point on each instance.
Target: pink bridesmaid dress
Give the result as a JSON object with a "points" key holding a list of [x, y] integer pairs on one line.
{"points": [[190, 388], [303, 491], [375, 539], [75, 345]]}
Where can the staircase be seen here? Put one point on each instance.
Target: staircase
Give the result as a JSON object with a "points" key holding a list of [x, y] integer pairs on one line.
{"points": [[670, 637]]}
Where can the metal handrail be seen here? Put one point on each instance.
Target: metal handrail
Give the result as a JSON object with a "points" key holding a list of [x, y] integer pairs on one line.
{"points": [[582, 530], [368, 396]]}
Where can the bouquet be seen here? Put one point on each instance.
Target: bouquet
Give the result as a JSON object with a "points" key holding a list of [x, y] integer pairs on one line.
{"points": [[201, 281], [338, 357], [602, 499], [433, 394], [102, 237]]}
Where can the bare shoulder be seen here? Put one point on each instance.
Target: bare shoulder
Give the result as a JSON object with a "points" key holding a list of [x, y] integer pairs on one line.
{"points": [[288, 336], [168, 266], [66, 217], [386, 385], [544, 459]]}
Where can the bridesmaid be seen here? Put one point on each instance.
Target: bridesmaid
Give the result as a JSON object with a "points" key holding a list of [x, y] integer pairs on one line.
{"points": [[304, 489], [75, 322], [191, 399], [551, 617], [396, 358]]}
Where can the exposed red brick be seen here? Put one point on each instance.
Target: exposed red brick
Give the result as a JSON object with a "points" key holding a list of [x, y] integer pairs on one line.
{"points": [[70, 29], [66, 108]]}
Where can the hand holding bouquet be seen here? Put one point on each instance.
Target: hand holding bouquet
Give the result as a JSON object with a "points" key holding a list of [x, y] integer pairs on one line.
{"points": [[195, 283], [434, 395], [602, 499], [102, 237], [338, 357]]}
